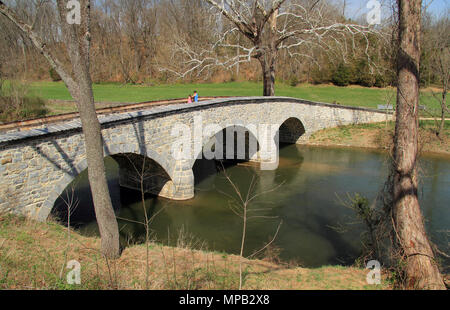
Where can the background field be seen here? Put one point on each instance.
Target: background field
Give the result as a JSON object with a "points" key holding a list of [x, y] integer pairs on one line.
{"points": [[351, 96]]}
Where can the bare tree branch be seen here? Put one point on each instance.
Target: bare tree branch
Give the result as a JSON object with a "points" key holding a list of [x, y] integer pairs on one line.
{"points": [[299, 27], [41, 46]]}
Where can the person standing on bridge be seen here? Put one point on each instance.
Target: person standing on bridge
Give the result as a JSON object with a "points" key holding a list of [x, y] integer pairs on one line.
{"points": [[195, 96], [189, 99]]}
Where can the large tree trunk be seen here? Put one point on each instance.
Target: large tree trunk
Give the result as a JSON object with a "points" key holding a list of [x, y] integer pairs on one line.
{"points": [[267, 62], [104, 212], [269, 56], [421, 270], [77, 41]]}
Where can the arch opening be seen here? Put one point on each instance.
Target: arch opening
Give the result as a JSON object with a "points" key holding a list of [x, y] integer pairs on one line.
{"points": [[231, 146], [291, 131], [125, 174], [141, 173]]}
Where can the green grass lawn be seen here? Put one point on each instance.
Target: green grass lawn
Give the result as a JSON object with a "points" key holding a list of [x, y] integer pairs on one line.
{"points": [[351, 96]]}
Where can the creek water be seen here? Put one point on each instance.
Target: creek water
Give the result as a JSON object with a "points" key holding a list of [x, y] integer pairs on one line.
{"points": [[305, 195]]}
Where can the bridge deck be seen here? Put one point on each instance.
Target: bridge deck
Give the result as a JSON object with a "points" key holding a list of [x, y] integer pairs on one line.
{"points": [[158, 111]]}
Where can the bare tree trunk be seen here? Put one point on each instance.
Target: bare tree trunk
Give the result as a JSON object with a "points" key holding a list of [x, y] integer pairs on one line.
{"points": [[421, 270], [25, 67], [237, 54], [443, 109], [267, 62], [78, 45], [442, 124], [77, 40], [104, 212], [268, 57]]}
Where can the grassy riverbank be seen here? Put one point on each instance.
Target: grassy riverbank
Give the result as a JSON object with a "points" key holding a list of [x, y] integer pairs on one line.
{"points": [[34, 256], [380, 136]]}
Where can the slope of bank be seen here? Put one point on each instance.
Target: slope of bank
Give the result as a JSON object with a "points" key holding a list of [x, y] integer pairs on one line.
{"points": [[380, 136], [34, 256]]}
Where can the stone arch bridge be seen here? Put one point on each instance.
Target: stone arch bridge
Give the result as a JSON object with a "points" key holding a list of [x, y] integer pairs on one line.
{"points": [[36, 166]]}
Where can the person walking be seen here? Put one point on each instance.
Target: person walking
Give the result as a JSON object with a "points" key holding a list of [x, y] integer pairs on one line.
{"points": [[189, 99]]}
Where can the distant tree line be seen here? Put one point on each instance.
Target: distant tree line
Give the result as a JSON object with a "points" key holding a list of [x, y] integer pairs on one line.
{"points": [[133, 39]]}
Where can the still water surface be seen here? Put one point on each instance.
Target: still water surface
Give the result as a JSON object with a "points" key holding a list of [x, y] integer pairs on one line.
{"points": [[314, 181]]}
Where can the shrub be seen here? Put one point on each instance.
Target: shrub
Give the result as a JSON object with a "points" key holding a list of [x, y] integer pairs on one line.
{"points": [[319, 76], [366, 79], [13, 109], [54, 75], [380, 81], [17, 104], [342, 75], [293, 81], [362, 74], [5, 109], [33, 107]]}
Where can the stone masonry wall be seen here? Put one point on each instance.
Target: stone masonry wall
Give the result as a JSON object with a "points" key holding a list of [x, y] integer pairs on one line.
{"points": [[37, 165]]}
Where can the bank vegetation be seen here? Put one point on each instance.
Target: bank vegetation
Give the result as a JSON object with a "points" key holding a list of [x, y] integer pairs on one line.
{"points": [[34, 255]]}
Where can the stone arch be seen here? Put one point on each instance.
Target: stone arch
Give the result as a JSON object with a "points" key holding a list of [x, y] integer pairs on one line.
{"points": [[137, 170], [291, 131], [163, 161], [248, 132], [251, 129]]}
